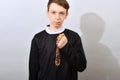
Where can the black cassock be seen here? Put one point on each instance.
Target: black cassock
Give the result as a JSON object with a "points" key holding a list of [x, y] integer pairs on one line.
{"points": [[42, 57]]}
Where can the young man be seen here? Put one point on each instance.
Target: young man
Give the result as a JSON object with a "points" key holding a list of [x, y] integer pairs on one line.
{"points": [[56, 53]]}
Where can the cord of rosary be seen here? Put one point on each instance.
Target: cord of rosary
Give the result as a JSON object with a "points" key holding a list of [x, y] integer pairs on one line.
{"points": [[57, 56]]}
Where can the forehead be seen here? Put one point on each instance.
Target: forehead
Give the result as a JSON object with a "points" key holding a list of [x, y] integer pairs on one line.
{"points": [[56, 7]]}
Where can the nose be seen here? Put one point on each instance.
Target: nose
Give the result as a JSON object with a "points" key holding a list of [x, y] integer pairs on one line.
{"points": [[57, 16]]}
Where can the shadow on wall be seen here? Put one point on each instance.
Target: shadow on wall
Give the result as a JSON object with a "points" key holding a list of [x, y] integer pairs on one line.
{"points": [[101, 64]]}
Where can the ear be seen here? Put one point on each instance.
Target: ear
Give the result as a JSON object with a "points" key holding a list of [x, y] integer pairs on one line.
{"points": [[47, 13], [67, 15]]}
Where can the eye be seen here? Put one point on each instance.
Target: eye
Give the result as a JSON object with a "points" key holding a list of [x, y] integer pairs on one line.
{"points": [[62, 13], [53, 12]]}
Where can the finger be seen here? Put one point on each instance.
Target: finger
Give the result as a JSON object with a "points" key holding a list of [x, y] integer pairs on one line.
{"points": [[60, 36], [62, 42]]}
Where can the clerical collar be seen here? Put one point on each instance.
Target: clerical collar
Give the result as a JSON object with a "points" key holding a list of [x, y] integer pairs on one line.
{"points": [[60, 30]]}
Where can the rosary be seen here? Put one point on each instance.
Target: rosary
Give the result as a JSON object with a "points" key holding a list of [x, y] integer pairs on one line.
{"points": [[57, 56]]}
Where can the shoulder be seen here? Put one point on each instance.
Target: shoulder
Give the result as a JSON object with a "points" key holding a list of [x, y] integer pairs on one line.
{"points": [[38, 37], [71, 33], [40, 34]]}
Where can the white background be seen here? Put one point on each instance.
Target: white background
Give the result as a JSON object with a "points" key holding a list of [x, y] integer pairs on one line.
{"points": [[96, 21]]}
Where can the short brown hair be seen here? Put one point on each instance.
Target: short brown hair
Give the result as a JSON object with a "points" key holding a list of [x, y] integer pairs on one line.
{"points": [[62, 3]]}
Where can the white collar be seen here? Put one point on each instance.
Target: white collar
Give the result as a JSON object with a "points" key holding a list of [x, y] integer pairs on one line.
{"points": [[60, 30]]}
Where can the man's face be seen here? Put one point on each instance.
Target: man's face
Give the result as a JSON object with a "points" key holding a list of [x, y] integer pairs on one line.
{"points": [[57, 14]]}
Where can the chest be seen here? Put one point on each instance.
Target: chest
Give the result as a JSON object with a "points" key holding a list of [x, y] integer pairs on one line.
{"points": [[46, 47]]}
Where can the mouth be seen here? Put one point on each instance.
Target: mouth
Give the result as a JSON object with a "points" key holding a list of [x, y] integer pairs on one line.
{"points": [[57, 22]]}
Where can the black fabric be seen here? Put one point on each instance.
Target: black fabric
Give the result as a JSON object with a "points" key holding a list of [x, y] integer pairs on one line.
{"points": [[42, 57]]}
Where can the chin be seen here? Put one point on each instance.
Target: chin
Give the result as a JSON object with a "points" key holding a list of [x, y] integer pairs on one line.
{"points": [[57, 26]]}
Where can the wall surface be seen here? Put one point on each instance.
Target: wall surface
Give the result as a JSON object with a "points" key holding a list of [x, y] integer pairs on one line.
{"points": [[97, 22]]}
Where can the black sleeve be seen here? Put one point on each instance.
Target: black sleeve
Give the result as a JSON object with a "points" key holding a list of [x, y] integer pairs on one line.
{"points": [[33, 61], [74, 53]]}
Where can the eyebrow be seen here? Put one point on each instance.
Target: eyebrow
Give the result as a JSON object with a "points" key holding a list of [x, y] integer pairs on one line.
{"points": [[56, 11]]}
